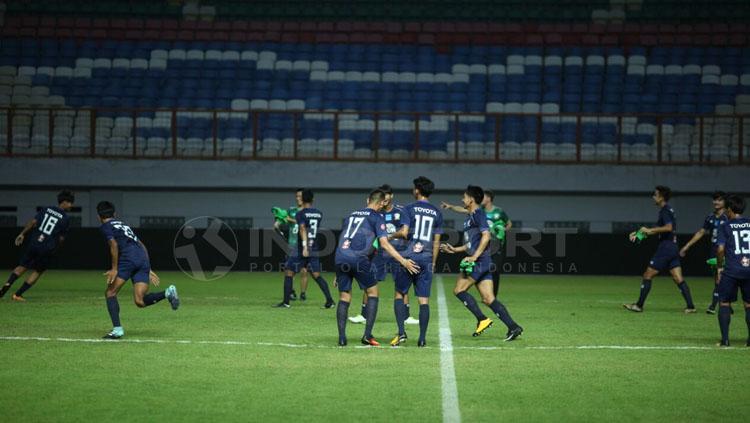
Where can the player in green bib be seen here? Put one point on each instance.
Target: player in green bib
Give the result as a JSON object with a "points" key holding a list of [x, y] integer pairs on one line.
{"points": [[499, 224], [286, 224]]}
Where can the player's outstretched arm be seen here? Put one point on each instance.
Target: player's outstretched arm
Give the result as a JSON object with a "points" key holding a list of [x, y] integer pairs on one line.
{"points": [[408, 264], [457, 209], [696, 237], [114, 252], [29, 226], [657, 230]]}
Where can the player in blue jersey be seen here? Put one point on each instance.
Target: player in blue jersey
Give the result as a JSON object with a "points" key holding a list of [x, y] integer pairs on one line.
{"points": [[667, 256], [477, 267], [354, 255], [422, 227], [306, 254], [711, 226], [733, 261], [130, 260], [48, 229], [384, 264]]}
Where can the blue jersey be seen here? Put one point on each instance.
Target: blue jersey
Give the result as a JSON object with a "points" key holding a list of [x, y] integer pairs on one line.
{"points": [[735, 237], [51, 224], [311, 218], [359, 231], [127, 242], [425, 221], [666, 216], [712, 225], [474, 226], [394, 219]]}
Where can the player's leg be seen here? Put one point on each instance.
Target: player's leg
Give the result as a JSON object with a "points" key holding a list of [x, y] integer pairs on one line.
{"points": [[303, 284], [676, 273], [314, 267], [344, 285], [461, 291], [485, 288], [648, 276], [727, 295], [371, 311], [27, 284], [401, 285], [14, 275], [423, 289], [714, 295], [113, 308], [745, 288], [292, 267]]}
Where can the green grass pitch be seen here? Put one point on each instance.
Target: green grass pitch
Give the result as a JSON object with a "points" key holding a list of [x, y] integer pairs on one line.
{"points": [[226, 355]]}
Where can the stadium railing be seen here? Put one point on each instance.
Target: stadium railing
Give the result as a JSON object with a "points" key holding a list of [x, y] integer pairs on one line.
{"points": [[375, 136]]}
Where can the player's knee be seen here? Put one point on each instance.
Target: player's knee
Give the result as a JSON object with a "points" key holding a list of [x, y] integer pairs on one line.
{"points": [[488, 299], [139, 303]]}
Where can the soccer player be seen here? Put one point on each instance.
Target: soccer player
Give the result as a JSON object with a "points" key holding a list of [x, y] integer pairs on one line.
{"points": [[667, 256], [476, 239], [130, 260], [423, 225], [354, 261], [499, 223], [712, 225], [384, 264], [289, 229], [49, 229], [306, 253], [733, 262]]}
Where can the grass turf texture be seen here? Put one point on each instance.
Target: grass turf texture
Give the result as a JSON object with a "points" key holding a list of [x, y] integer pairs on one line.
{"points": [[261, 379]]}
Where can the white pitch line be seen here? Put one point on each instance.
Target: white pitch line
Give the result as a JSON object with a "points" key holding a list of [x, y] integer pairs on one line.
{"points": [[313, 346], [451, 411]]}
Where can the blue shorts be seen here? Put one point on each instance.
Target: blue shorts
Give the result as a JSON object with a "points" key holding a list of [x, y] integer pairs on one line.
{"points": [[137, 270], [363, 271], [422, 281], [36, 258], [297, 263], [667, 257], [728, 289], [482, 270]]}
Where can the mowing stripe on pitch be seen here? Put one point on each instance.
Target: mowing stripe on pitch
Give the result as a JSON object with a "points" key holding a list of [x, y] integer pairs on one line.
{"points": [[313, 346], [451, 412]]}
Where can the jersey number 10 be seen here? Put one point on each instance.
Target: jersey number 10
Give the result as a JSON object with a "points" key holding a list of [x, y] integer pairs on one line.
{"points": [[423, 227]]}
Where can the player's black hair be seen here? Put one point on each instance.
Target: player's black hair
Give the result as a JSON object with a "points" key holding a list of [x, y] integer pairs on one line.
{"points": [[298, 190], [735, 203], [386, 189], [105, 209], [490, 194], [424, 186], [719, 195], [376, 195], [664, 191], [66, 195], [307, 195], [475, 192]]}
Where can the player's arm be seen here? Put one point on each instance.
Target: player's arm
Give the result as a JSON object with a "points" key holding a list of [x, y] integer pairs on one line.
{"points": [[657, 229], [457, 209], [483, 243], [114, 253], [450, 249], [696, 237], [408, 264], [291, 220], [402, 233], [508, 225], [303, 237], [26, 229], [720, 255], [435, 249]]}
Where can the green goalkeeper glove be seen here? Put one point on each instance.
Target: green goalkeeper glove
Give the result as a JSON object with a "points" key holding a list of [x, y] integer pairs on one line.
{"points": [[639, 236], [498, 230], [467, 266], [279, 214], [712, 263]]}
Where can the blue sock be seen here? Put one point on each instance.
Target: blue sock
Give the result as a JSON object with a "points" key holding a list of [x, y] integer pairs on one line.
{"points": [[471, 304], [725, 316], [324, 287], [11, 279], [23, 288], [501, 312], [342, 311], [363, 310], [153, 298], [407, 310], [685, 290], [287, 289], [113, 307], [372, 312], [399, 309], [715, 297], [645, 289], [424, 320]]}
